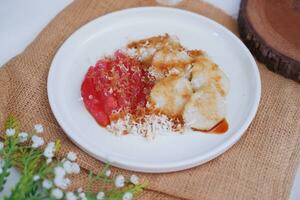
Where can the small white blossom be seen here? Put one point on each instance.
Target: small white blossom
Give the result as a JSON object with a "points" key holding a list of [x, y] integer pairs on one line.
{"points": [[23, 136], [1, 145], [79, 190], [119, 181], [36, 177], [108, 172], [47, 184], [71, 196], [49, 160], [10, 132], [49, 150], [82, 196], [75, 168], [65, 183], [127, 196], [100, 196], [134, 179], [58, 181], [59, 172], [57, 193], [38, 128], [72, 156], [37, 141], [61, 182], [67, 165]]}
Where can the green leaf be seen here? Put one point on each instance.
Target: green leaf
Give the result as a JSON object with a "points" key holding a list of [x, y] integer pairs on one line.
{"points": [[91, 196]]}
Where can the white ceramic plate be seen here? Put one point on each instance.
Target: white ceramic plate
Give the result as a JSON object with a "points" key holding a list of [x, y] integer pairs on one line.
{"points": [[168, 153]]}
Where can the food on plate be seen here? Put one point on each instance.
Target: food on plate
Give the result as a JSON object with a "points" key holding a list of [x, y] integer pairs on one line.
{"points": [[155, 86], [171, 94], [115, 84], [206, 72], [161, 55], [205, 109]]}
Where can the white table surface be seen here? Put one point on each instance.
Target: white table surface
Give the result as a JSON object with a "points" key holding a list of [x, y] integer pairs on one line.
{"points": [[21, 21]]}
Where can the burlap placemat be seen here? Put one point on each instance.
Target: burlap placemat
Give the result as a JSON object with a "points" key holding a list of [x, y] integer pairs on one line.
{"points": [[260, 166]]}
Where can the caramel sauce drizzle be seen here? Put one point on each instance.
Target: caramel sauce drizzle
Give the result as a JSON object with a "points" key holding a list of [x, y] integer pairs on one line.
{"points": [[220, 128]]}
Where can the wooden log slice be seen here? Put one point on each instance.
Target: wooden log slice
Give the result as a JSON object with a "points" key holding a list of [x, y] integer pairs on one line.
{"points": [[271, 30]]}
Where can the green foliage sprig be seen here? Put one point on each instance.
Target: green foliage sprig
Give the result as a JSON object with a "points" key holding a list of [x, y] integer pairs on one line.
{"points": [[45, 177]]}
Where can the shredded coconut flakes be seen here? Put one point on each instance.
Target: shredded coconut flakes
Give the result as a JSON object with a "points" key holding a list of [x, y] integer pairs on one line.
{"points": [[150, 126]]}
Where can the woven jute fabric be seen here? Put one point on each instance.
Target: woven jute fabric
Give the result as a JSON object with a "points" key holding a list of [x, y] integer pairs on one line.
{"points": [[261, 165]]}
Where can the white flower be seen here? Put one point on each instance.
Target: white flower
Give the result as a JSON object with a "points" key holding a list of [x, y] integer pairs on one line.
{"points": [[10, 132], [37, 141], [57, 193], [72, 156], [108, 172], [75, 168], [79, 190], [82, 196], [134, 179], [71, 196], [70, 167], [58, 181], [23, 136], [1, 145], [59, 172], [49, 150], [36, 177], [127, 196], [38, 128], [67, 165], [100, 196], [47, 184], [62, 182], [49, 160], [67, 182], [119, 181]]}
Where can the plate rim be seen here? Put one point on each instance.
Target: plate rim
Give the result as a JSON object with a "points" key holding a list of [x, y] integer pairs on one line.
{"points": [[175, 165]]}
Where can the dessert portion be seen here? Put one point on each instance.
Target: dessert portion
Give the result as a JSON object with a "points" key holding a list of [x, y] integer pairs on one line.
{"points": [[114, 86], [205, 109], [155, 85], [170, 95]]}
